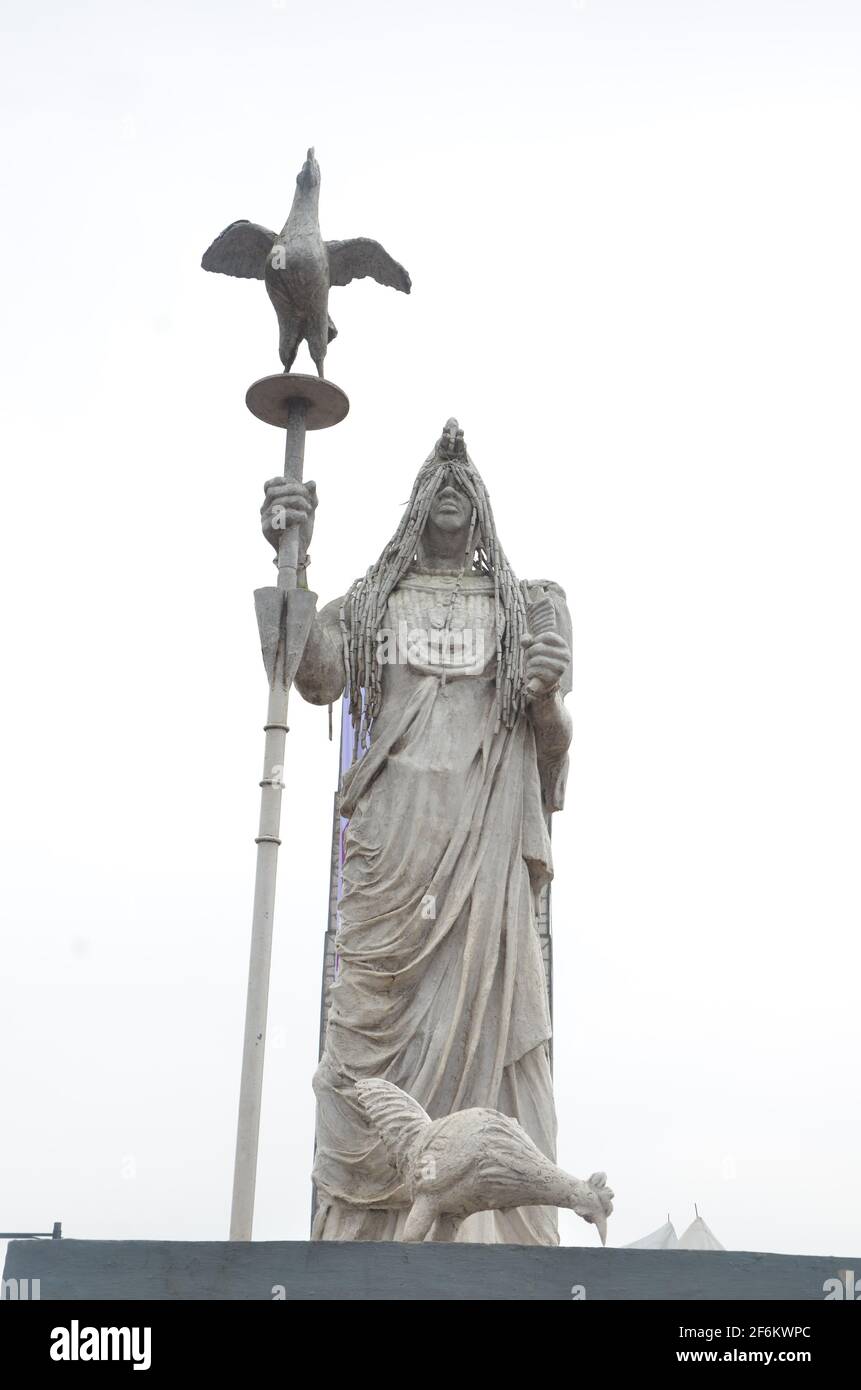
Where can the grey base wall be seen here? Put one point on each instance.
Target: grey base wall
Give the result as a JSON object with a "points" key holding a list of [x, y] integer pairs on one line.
{"points": [[301, 1270]]}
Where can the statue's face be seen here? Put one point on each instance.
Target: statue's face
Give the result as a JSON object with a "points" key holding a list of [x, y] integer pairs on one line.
{"points": [[451, 509]]}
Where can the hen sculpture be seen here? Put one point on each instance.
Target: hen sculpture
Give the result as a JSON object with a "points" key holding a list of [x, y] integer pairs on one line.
{"points": [[470, 1161], [299, 267]]}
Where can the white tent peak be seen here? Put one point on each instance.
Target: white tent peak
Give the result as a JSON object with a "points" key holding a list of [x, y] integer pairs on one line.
{"points": [[664, 1238], [698, 1236]]}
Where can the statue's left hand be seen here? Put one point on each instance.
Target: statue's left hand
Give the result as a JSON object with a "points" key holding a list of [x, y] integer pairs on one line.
{"points": [[546, 658]]}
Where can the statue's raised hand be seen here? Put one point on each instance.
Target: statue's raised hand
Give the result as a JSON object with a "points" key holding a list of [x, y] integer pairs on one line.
{"points": [[546, 658], [287, 503]]}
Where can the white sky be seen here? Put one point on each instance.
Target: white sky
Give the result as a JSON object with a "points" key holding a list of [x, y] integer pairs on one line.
{"points": [[634, 235]]}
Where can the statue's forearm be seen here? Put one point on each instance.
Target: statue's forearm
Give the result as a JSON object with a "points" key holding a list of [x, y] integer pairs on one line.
{"points": [[552, 725], [320, 678]]}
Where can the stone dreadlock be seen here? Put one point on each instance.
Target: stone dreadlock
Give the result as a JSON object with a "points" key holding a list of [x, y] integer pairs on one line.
{"points": [[364, 608]]}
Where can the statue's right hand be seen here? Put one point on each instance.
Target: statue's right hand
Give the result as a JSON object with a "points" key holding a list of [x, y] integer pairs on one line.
{"points": [[287, 503]]}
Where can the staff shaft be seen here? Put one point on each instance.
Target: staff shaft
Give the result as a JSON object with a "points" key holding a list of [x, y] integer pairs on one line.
{"points": [[268, 841]]}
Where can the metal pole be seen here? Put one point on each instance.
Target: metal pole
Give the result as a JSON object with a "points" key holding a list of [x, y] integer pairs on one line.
{"points": [[272, 782]]}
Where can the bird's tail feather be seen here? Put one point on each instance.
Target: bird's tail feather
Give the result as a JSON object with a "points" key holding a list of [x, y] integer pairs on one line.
{"points": [[398, 1119]]}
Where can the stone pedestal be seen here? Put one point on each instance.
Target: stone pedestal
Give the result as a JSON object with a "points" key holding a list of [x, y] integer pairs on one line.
{"points": [[328, 1271]]}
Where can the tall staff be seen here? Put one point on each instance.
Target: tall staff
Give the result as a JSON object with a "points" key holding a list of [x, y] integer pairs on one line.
{"points": [[284, 615]]}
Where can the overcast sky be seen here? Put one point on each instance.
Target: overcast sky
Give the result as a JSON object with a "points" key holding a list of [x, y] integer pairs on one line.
{"points": [[633, 232]]}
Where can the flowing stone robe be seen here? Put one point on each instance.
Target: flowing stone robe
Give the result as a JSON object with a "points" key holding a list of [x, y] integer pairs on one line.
{"points": [[441, 987]]}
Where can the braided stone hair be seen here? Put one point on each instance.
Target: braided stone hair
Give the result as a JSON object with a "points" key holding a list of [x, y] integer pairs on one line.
{"points": [[364, 608]]}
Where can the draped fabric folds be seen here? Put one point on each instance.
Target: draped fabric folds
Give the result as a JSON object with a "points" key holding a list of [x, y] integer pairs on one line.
{"points": [[441, 986]]}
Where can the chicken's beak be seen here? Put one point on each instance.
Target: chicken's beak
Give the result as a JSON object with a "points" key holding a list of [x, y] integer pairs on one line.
{"points": [[601, 1223]]}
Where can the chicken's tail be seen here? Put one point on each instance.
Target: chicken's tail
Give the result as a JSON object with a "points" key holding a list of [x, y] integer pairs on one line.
{"points": [[398, 1119]]}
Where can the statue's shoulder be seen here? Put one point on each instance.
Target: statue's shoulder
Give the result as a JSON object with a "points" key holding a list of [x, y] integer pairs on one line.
{"points": [[548, 588], [330, 613]]}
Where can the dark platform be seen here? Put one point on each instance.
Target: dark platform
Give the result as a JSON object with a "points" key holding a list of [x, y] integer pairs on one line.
{"points": [[167, 1269]]}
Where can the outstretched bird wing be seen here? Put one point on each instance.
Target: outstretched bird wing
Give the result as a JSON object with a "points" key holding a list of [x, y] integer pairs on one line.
{"points": [[398, 1119], [240, 250], [352, 260]]}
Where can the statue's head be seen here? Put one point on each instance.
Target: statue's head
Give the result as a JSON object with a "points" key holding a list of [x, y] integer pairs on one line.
{"points": [[448, 517], [451, 507], [593, 1200], [308, 176]]}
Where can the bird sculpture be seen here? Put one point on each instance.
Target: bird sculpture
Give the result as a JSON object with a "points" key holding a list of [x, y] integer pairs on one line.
{"points": [[299, 267], [470, 1161]]}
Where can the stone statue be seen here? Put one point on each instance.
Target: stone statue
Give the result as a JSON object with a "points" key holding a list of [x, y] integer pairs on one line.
{"points": [[471, 1161], [299, 267], [462, 751]]}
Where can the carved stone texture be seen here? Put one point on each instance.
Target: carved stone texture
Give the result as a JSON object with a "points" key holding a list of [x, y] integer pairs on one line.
{"points": [[299, 267], [462, 738], [470, 1161]]}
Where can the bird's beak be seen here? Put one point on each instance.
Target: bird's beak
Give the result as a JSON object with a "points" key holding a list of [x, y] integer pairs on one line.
{"points": [[601, 1223], [311, 155]]}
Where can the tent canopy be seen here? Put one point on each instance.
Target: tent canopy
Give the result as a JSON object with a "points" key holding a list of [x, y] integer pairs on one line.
{"points": [[698, 1236], [664, 1238]]}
